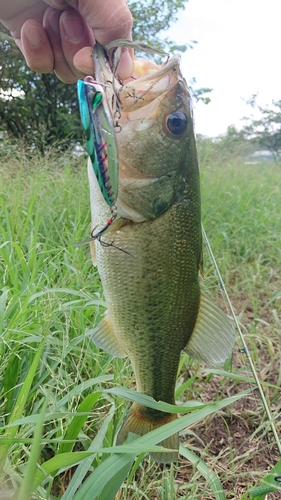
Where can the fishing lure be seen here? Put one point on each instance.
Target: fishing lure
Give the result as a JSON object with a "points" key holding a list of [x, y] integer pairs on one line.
{"points": [[100, 136]]}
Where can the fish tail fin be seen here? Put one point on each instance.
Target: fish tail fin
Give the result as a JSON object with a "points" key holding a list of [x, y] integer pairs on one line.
{"points": [[138, 421]]}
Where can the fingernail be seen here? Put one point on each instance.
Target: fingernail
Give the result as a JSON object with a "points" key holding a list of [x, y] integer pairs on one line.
{"points": [[126, 64], [73, 26], [33, 35]]}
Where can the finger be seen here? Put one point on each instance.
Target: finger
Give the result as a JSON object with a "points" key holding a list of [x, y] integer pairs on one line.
{"points": [[14, 17], [125, 66], [84, 62], [57, 4], [75, 35], [36, 48], [51, 23], [110, 19]]}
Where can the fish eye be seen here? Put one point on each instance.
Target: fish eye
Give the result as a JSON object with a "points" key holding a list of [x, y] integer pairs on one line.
{"points": [[177, 122]]}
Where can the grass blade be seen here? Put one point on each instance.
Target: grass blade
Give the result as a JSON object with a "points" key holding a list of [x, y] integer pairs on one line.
{"points": [[3, 302], [234, 376], [77, 423], [144, 400], [61, 461], [212, 479], [20, 403], [113, 485], [95, 483], [28, 484], [269, 484], [84, 467]]}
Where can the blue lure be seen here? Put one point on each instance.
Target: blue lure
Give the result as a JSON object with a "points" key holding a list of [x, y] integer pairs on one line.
{"points": [[100, 136]]}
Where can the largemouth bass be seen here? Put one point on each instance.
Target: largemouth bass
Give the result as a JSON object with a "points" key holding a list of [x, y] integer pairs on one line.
{"points": [[155, 305]]}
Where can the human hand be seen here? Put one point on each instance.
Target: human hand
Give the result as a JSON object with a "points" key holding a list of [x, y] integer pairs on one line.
{"points": [[59, 35]]}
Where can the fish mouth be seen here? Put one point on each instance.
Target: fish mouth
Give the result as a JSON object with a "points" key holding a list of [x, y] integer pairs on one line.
{"points": [[148, 82]]}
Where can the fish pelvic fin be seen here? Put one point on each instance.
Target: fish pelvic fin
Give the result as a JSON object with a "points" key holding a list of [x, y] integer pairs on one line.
{"points": [[212, 339], [103, 337], [138, 421]]}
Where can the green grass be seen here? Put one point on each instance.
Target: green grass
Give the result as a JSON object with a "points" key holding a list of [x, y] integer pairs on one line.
{"points": [[242, 219], [57, 409]]}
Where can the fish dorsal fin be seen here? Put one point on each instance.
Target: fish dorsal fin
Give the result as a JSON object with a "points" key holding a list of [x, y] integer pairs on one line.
{"points": [[212, 339], [103, 337]]}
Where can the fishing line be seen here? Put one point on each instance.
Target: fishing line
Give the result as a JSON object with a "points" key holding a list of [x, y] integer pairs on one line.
{"points": [[245, 348]]}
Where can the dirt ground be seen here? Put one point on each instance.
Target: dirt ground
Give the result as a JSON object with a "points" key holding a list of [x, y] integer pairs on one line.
{"points": [[237, 442]]}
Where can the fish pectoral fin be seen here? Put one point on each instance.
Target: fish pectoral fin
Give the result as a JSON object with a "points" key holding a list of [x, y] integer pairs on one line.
{"points": [[212, 339], [103, 337]]}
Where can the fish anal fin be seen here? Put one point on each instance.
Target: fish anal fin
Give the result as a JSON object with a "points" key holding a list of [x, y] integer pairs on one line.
{"points": [[212, 339], [140, 423], [103, 337]]}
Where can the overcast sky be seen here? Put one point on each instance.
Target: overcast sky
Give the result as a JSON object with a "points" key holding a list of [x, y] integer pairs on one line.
{"points": [[238, 54]]}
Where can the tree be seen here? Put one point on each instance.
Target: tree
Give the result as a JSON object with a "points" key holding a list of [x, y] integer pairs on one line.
{"points": [[152, 18], [43, 111], [265, 131], [39, 109]]}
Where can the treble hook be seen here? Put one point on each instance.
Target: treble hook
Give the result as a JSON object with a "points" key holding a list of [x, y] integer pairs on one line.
{"points": [[109, 222], [98, 235]]}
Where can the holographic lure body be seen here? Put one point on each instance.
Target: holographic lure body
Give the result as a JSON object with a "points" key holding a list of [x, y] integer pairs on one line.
{"points": [[100, 136]]}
